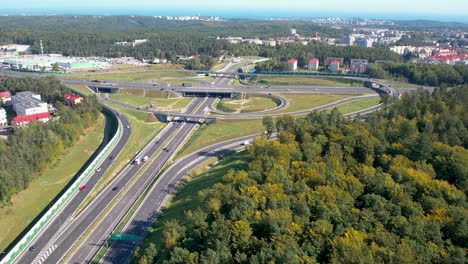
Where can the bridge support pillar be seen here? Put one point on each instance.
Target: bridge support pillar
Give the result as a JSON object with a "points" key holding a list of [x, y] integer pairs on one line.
{"points": [[161, 118], [210, 120]]}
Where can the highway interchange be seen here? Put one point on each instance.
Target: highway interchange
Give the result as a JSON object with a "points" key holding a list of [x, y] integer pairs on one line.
{"points": [[63, 233]]}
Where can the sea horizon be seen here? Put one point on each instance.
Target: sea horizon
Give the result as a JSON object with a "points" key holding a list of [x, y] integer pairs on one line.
{"points": [[243, 14]]}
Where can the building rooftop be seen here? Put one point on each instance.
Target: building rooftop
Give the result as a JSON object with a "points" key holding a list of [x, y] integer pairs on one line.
{"points": [[314, 60], [292, 60], [6, 94], [334, 62], [35, 117], [71, 96]]}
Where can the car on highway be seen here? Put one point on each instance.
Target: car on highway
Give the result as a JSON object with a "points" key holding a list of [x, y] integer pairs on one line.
{"points": [[82, 188], [315, 89], [115, 188], [128, 126], [98, 169], [32, 248], [288, 89]]}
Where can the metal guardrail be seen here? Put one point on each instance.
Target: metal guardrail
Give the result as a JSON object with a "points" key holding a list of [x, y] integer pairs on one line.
{"points": [[11, 256]]}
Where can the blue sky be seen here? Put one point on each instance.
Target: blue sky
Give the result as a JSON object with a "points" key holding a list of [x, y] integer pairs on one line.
{"points": [[456, 7]]}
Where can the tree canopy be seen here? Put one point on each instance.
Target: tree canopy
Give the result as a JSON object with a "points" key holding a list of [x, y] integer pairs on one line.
{"points": [[391, 189]]}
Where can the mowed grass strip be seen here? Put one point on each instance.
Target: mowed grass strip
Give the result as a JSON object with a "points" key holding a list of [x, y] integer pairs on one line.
{"points": [[218, 131], [27, 204], [357, 105], [143, 102], [81, 89], [133, 76], [297, 80], [299, 102], [251, 104], [127, 68], [142, 133], [187, 198]]}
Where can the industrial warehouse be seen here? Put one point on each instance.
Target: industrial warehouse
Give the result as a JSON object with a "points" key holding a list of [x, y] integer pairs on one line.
{"points": [[46, 62]]}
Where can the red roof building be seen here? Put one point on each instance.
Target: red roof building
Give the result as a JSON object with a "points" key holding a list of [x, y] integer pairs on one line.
{"points": [[334, 65], [5, 95], [313, 64], [26, 119], [72, 99], [292, 64], [2, 79]]}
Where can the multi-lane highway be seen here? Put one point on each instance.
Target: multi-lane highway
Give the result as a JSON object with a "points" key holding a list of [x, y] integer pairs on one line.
{"points": [[56, 243], [43, 241]]}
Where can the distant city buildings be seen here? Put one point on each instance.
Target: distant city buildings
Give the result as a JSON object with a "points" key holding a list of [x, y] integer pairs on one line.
{"points": [[130, 43], [189, 18], [313, 64], [292, 64], [364, 42]]}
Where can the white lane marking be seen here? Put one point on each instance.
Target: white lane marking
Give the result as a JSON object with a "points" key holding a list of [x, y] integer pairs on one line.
{"points": [[44, 255]]}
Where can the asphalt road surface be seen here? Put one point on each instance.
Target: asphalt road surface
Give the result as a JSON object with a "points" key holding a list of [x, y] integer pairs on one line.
{"points": [[64, 217], [87, 250]]}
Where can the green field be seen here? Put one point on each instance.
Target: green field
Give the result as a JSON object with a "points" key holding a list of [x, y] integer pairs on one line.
{"points": [[297, 80], [299, 102], [403, 85], [142, 133], [29, 203], [132, 76], [249, 105], [81, 89], [220, 130], [187, 198], [172, 104], [357, 105], [128, 68]]}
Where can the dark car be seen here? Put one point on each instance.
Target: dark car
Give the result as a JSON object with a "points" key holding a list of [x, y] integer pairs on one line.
{"points": [[115, 188], [32, 248]]}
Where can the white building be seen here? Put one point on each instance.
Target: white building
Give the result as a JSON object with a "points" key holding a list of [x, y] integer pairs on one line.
{"points": [[292, 64], [270, 42], [28, 103], [3, 117], [292, 31], [365, 42], [334, 65], [313, 64]]}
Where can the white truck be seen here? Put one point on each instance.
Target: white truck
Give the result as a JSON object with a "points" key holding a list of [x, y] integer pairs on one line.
{"points": [[140, 159]]}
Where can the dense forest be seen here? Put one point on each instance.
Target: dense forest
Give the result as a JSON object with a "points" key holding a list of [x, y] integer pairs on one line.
{"points": [[425, 74], [390, 189], [36, 147], [95, 36]]}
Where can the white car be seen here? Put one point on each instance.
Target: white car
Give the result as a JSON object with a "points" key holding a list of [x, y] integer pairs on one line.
{"points": [[98, 169], [128, 126]]}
